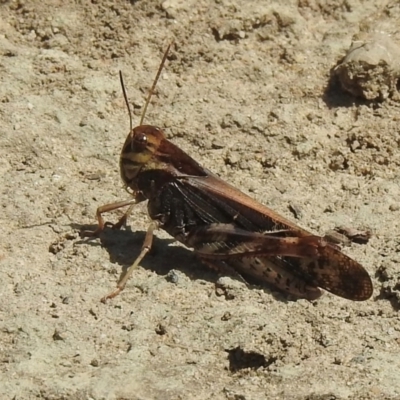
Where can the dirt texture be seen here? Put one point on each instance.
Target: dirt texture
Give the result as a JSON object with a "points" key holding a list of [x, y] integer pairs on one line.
{"points": [[249, 91]]}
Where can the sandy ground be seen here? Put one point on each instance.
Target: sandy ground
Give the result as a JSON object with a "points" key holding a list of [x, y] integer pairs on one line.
{"points": [[247, 92]]}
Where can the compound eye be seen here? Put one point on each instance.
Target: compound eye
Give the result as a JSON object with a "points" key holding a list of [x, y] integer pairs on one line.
{"points": [[140, 141]]}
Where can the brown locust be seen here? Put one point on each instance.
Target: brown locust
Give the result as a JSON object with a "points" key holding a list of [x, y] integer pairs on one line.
{"points": [[225, 228]]}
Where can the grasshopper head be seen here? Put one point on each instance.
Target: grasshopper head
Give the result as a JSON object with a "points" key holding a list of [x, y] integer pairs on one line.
{"points": [[142, 143], [139, 148]]}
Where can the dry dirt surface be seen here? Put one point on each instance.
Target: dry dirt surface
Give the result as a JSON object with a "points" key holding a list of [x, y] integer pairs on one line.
{"points": [[248, 91]]}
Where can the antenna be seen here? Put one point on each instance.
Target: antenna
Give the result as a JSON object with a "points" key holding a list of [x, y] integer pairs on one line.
{"points": [[126, 100], [154, 83]]}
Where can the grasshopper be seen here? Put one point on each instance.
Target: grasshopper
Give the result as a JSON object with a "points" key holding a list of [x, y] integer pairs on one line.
{"points": [[226, 228]]}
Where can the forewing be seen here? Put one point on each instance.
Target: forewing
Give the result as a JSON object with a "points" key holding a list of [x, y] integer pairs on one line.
{"points": [[332, 270], [338, 273]]}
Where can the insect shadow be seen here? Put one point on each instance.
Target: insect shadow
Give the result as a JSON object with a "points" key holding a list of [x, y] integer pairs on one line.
{"points": [[124, 245]]}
